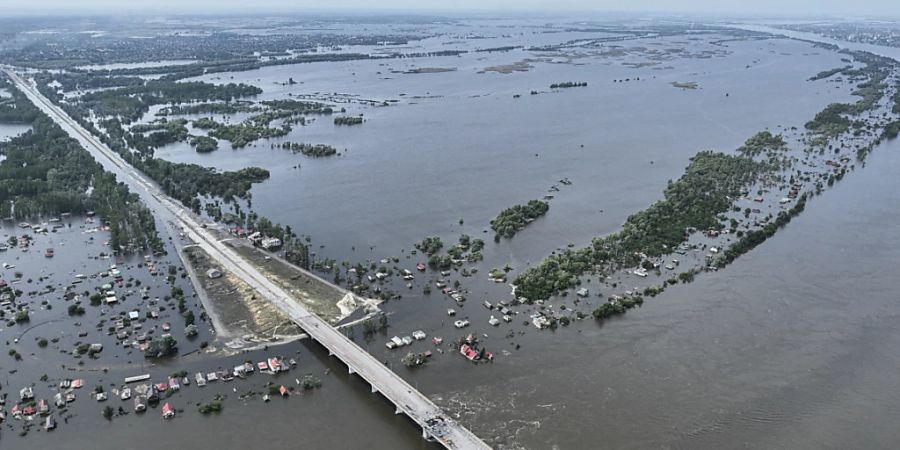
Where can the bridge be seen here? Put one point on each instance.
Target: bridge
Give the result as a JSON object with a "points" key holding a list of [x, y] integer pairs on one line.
{"points": [[436, 425]]}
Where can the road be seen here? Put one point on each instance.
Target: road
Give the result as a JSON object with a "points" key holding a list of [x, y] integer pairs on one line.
{"points": [[408, 400]]}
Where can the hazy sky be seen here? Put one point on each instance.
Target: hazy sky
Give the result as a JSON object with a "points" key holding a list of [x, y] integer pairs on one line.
{"points": [[854, 8]]}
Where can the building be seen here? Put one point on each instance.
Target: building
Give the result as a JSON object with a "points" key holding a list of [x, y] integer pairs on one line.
{"points": [[270, 243], [168, 411]]}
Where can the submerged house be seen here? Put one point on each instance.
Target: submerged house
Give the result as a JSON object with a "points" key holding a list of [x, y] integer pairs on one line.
{"points": [[168, 411], [140, 403]]}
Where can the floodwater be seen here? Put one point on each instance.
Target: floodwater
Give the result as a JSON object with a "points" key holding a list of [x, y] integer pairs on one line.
{"points": [[470, 149], [139, 65], [792, 346], [9, 131]]}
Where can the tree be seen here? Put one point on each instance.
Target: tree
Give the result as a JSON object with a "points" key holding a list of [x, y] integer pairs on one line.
{"points": [[108, 412], [160, 348]]}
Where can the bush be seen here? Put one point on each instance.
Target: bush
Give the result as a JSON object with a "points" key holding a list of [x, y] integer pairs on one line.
{"points": [[160, 348], [512, 220], [214, 406], [22, 316]]}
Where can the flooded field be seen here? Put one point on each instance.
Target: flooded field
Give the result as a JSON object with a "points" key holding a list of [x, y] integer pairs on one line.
{"points": [[789, 347]]}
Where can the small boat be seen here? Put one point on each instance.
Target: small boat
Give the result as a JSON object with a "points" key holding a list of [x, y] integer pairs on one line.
{"points": [[451, 312], [420, 267]]}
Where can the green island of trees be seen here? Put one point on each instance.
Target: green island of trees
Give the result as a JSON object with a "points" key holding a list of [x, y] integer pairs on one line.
{"points": [[131, 102], [692, 202], [213, 406], [753, 238], [896, 98], [764, 141], [512, 220], [568, 84], [204, 144], [891, 130], [348, 120], [314, 150], [831, 121], [146, 137], [46, 172], [299, 106], [617, 306], [182, 181], [696, 200], [467, 249], [829, 73], [259, 126], [240, 135], [430, 245], [209, 108]]}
